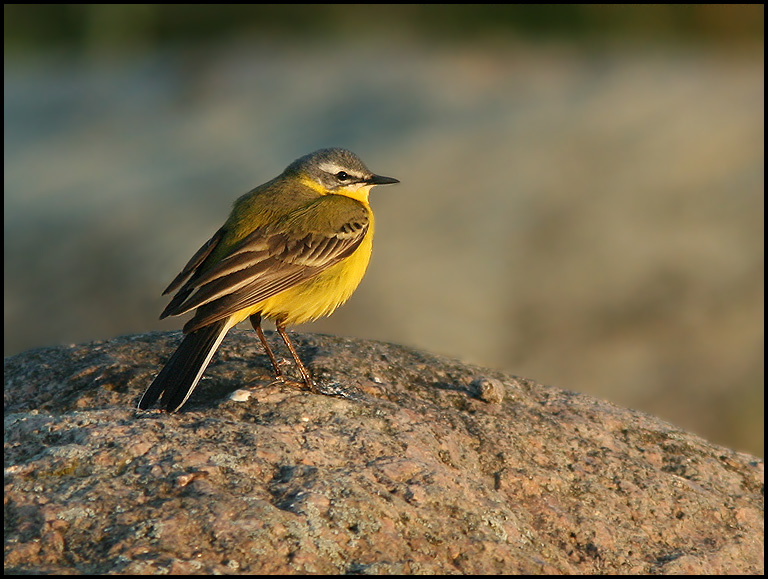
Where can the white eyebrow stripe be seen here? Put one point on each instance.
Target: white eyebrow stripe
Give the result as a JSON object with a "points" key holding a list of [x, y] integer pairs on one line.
{"points": [[333, 168]]}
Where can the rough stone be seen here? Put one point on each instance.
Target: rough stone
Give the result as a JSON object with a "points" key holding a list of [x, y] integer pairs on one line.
{"points": [[413, 464]]}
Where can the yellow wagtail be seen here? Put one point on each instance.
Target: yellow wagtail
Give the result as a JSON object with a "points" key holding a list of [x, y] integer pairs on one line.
{"points": [[292, 250]]}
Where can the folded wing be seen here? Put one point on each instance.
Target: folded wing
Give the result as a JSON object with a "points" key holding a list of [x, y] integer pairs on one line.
{"points": [[269, 260]]}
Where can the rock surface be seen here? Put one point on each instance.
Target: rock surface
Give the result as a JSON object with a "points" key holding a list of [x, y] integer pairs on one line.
{"points": [[414, 464]]}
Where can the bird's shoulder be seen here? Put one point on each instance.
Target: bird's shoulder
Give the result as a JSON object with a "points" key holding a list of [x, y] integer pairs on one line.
{"points": [[269, 203], [331, 215], [286, 228]]}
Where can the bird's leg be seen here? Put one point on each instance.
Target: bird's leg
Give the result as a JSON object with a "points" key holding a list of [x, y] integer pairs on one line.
{"points": [[304, 372], [256, 323]]}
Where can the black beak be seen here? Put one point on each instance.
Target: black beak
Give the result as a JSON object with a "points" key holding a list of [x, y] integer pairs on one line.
{"points": [[380, 180]]}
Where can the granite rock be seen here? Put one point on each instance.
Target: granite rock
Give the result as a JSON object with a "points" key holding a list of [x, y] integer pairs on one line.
{"points": [[412, 463]]}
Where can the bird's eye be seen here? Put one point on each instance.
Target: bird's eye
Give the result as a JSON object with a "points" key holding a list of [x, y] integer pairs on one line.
{"points": [[342, 176]]}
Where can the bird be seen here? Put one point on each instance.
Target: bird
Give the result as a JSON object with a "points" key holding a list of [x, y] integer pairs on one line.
{"points": [[291, 251]]}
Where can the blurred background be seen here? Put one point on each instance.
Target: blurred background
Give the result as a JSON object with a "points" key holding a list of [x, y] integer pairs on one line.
{"points": [[582, 186]]}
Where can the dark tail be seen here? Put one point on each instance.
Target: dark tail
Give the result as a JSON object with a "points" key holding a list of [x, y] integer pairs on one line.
{"points": [[183, 371]]}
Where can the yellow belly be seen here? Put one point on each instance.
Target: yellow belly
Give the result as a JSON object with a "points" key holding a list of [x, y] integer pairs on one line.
{"points": [[319, 296]]}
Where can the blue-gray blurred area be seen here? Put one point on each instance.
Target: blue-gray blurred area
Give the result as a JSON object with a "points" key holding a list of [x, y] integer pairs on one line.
{"points": [[581, 199]]}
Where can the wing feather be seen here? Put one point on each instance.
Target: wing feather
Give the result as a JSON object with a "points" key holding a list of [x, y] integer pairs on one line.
{"points": [[195, 261], [270, 259]]}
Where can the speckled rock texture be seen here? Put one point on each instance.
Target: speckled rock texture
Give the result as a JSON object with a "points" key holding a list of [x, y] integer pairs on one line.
{"points": [[412, 464]]}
